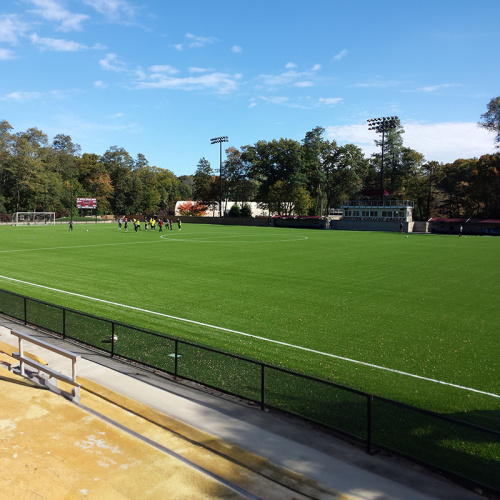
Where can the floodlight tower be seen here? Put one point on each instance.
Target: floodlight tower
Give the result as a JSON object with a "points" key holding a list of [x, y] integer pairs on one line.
{"points": [[381, 126], [220, 140]]}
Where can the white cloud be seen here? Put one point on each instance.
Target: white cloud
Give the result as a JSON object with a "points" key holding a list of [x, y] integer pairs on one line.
{"points": [[113, 9], [377, 83], [112, 63], [434, 88], [329, 101], [236, 49], [447, 142], [291, 77], [444, 142], [56, 44], [11, 28], [53, 10], [340, 55], [164, 68], [6, 54], [194, 69], [195, 41], [220, 82], [276, 99], [22, 96]]}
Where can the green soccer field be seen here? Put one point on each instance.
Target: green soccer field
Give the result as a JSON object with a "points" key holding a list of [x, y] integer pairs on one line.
{"points": [[410, 318]]}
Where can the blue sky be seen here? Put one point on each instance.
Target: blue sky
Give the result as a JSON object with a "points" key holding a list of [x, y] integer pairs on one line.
{"points": [[162, 78]]}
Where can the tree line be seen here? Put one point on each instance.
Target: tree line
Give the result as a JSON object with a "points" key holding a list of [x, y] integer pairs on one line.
{"points": [[285, 176]]}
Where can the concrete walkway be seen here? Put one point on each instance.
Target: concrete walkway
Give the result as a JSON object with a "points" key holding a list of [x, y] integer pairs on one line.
{"points": [[137, 434]]}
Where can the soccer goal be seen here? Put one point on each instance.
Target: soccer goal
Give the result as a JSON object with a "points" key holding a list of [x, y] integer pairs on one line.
{"points": [[33, 218]]}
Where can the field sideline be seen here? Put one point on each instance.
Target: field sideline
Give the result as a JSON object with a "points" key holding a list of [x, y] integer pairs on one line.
{"points": [[339, 305]]}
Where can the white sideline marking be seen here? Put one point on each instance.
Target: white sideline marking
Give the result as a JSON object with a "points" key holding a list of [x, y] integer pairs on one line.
{"points": [[220, 237], [253, 336]]}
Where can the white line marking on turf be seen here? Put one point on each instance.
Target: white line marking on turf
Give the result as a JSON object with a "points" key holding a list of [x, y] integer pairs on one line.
{"points": [[253, 336], [80, 246], [219, 237]]}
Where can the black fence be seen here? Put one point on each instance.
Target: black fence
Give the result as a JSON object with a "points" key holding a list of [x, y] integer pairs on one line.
{"points": [[466, 452]]}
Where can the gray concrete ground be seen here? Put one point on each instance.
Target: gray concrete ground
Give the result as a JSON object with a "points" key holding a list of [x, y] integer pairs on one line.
{"points": [[285, 441]]}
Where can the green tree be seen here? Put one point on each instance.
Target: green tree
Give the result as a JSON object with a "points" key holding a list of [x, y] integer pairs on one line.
{"points": [[491, 119], [235, 211], [485, 187], [454, 183], [6, 180], [169, 188], [150, 189], [27, 167], [127, 190], [204, 184], [65, 152], [96, 181], [246, 210], [312, 146], [345, 170], [238, 187], [272, 162]]}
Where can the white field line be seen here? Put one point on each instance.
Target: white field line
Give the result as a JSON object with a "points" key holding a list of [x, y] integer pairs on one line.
{"points": [[80, 246], [254, 337]]}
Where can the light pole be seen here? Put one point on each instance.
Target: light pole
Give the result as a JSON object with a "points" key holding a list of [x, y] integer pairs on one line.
{"points": [[220, 140], [381, 126]]}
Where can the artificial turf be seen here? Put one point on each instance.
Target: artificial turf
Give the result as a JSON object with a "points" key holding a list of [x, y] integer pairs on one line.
{"points": [[423, 305]]}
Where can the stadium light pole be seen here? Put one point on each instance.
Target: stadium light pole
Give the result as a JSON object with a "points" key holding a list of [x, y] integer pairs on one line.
{"points": [[220, 140], [381, 126]]}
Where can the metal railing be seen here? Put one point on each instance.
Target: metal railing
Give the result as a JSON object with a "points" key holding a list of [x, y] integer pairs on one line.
{"points": [[464, 451]]}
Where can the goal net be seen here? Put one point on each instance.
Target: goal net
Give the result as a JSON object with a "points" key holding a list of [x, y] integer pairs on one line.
{"points": [[33, 218]]}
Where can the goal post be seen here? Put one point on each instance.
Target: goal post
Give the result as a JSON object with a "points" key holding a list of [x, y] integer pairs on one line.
{"points": [[33, 218]]}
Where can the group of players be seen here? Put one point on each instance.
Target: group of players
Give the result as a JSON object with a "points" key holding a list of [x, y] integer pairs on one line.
{"points": [[151, 223]]}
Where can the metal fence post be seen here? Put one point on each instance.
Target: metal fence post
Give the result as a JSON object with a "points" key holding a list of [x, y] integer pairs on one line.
{"points": [[112, 339], [64, 324], [262, 387], [175, 357], [369, 401]]}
